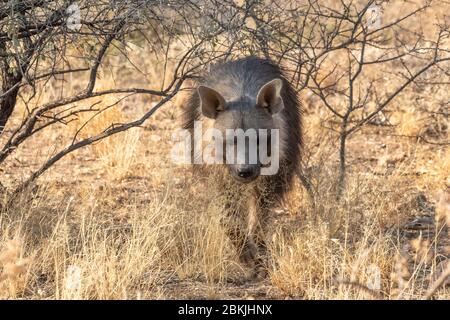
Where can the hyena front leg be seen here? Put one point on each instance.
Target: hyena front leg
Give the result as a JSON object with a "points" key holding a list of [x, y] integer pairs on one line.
{"points": [[237, 231], [245, 227], [256, 228]]}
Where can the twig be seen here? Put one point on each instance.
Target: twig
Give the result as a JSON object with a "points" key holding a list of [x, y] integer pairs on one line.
{"points": [[438, 283]]}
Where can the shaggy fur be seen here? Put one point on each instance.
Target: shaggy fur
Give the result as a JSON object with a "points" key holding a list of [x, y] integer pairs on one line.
{"points": [[249, 204]]}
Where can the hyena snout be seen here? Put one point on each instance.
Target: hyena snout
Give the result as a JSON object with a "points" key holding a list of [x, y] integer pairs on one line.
{"points": [[245, 172]]}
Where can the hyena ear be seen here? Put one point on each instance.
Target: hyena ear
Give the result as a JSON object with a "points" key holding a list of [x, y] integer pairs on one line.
{"points": [[211, 102], [269, 96]]}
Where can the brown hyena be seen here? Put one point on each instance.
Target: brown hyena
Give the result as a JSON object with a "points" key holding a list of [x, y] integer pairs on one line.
{"points": [[249, 93]]}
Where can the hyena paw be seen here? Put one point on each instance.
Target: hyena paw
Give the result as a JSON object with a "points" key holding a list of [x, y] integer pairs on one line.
{"points": [[261, 272], [248, 258]]}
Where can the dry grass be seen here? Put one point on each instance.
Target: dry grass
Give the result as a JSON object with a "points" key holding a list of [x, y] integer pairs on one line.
{"points": [[118, 220], [133, 225]]}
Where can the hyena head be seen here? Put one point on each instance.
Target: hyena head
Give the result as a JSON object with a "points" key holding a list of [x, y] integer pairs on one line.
{"points": [[246, 124]]}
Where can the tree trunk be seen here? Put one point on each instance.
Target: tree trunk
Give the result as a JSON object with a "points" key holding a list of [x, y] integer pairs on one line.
{"points": [[10, 87]]}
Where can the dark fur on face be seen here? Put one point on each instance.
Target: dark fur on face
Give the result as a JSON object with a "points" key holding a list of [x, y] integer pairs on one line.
{"points": [[232, 88]]}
